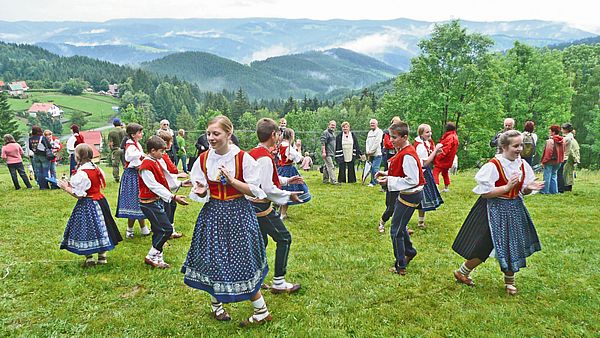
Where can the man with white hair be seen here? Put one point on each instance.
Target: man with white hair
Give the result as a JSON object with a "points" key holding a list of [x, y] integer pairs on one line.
{"points": [[164, 126], [373, 149], [509, 124]]}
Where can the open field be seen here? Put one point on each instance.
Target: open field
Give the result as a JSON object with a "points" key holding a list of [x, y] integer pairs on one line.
{"points": [[99, 107], [337, 255]]}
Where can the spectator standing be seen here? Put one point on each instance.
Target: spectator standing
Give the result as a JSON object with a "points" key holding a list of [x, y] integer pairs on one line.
{"points": [[328, 153], [571, 155], [346, 153], [115, 138], [509, 124], [164, 126], [551, 160], [73, 141], [529, 142], [182, 152], [373, 149], [55, 146], [12, 153], [38, 145]]}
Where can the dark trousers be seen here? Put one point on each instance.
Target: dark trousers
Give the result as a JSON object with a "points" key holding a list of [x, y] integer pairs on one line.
{"points": [[560, 178], [272, 225], [160, 224], [400, 238], [18, 168], [42, 170], [72, 164], [170, 210], [347, 167], [390, 204]]}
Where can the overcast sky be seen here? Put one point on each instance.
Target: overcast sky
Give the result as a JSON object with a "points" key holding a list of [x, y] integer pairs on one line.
{"points": [[582, 14]]}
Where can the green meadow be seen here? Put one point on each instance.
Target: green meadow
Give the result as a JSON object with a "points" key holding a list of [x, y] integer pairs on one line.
{"points": [[98, 108], [337, 255]]}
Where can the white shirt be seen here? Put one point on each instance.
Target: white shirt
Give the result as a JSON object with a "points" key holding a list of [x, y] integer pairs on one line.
{"points": [[152, 184], [214, 161], [421, 151], [80, 182], [487, 176], [174, 183], [373, 146], [133, 154], [278, 196], [71, 144], [291, 153], [410, 183]]}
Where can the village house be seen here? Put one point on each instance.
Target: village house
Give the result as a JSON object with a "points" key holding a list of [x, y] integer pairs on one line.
{"points": [[49, 108], [113, 89], [1, 86], [15, 89]]}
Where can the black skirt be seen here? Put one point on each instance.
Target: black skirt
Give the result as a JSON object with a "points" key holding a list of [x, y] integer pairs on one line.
{"points": [[474, 239]]}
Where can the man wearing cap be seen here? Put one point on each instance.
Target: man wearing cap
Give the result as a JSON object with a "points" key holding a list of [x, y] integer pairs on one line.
{"points": [[115, 137]]}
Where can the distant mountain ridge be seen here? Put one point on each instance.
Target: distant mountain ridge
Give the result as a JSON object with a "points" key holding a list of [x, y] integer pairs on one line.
{"points": [[311, 73], [132, 41]]}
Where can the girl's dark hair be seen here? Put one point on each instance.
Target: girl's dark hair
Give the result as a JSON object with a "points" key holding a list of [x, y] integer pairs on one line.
{"points": [[529, 126], [133, 128], [555, 128], [450, 126], [36, 131], [288, 134], [75, 128]]}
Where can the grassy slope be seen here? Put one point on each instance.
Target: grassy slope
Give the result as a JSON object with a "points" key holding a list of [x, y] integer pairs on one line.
{"points": [[337, 255], [99, 106]]}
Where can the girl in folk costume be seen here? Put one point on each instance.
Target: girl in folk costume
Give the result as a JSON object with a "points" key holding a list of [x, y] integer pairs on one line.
{"points": [[443, 161], [128, 205], [427, 150], [171, 175], [406, 177], [91, 228], [227, 255], [288, 155], [499, 220]]}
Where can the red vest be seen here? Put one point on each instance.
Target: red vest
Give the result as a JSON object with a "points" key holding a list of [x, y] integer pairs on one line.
{"points": [[283, 160], [502, 180], [154, 167], [259, 152], [170, 166], [429, 146], [98, 183], [397, 161], [127, 145], [219, 190]]}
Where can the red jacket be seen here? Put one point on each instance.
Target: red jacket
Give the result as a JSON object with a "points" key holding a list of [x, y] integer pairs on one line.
{"points": [[549, 149], [445, 159]]}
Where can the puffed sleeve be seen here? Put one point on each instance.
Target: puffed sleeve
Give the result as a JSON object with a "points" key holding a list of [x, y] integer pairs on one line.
{"points": [[422, 152], [80, 183], [197, 176], [486, 179], [294, 155], [252, 176]]}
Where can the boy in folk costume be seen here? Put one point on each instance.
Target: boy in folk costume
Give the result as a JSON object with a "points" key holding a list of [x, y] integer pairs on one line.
{"points": [[268, 220], [499, 220], [405, 175], [154, 196], [171, 174], [128, 205], [91, 228]]}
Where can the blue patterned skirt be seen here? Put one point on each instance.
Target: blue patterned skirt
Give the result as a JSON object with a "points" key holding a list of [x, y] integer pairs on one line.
{"points": [[91, 228], [289, 171], [227, 255], [500, 224], [431, 195], [128, 205]]}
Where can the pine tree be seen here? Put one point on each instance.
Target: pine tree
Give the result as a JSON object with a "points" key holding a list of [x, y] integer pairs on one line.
{"points": [[8, 124]]}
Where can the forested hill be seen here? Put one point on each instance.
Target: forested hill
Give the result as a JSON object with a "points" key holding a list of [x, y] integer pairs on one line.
{"points": [[586, 41], [31, 63], [311, 73]]}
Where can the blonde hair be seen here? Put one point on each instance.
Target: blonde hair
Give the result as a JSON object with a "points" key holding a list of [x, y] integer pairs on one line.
{"points": [[83, 153], [395, 120], [47, 132], [224, 122], [345, 123], [422, 127], [181, 132], [505, 137]]}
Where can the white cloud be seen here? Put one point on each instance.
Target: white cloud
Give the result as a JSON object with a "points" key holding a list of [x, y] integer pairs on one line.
{"points": [[211, 33], [96, 31], [10, 37], [93, 44], [378, 43], [268, 52]]}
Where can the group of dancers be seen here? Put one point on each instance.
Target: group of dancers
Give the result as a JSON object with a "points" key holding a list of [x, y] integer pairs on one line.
{"points": [[227, 256]]}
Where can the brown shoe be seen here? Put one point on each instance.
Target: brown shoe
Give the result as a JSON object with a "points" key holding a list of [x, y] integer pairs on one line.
{"points": [[408, 259], [156, 264], [176, 235], [265, 286], [463, 279], [410, 232], [253, 322], [222, 317], [401, 271], [292, 289]]}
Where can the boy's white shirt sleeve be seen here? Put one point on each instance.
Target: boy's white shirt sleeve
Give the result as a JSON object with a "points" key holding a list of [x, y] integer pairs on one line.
{"points": [[252, 176], [80, 183], [157, 188], [274, 194], [411, 170], [172, 180]]}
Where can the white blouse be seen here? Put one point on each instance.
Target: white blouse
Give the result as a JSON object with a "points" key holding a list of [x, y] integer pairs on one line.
{"points": [[80, 182], [214, 161], [487, 176], [291, 153], [421, 151], [134, 154]]}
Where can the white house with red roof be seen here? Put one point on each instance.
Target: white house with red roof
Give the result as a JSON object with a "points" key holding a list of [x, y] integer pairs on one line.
{"points": [[93, 138], [113, 89], [1, 86], [49, 108], [15, 89]]}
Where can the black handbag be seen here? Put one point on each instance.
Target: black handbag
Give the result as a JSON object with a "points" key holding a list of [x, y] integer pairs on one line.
{"points": [[50, 155]]}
